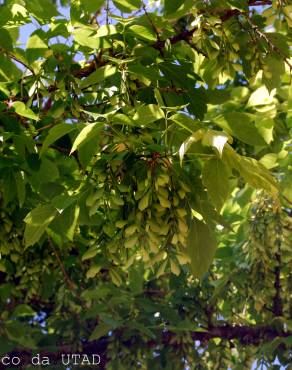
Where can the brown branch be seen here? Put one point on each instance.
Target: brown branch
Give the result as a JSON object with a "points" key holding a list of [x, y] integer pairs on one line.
{"points": [[45, 127], [277, 301], [259, 3], [245, 334], [72, 287], [174, 89], [269, 42], [226, 14], [185, 35], [286, 199], [150, 21], [88, 69], [12, 56]]}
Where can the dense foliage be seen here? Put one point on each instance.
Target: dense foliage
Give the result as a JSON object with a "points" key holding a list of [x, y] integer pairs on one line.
{"points": [[145, 182]]}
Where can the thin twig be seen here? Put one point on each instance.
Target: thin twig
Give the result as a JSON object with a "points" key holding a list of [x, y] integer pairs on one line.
{"points": [[177, 90], [107, 12], [286, 199], [226, 14], [269, 42], [150, 20], [277, 300], [12, 56], [68, 280], [45, 127]]}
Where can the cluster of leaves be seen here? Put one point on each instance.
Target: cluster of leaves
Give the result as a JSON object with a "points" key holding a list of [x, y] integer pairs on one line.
{"points": [[132, 138]]}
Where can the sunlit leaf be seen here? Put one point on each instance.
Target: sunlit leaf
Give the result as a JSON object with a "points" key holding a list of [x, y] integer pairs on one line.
{"points": [[201, 247]]}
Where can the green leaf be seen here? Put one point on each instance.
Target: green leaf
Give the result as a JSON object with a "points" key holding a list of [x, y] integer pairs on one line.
{"points": [[145, 74], [260, 96], [115, 276], [5, 39], [42, 214], [143, 32], [8, 70], [265, 127], [122, 119], [21, 109], [238, 4], [269, 160], [185, 146], [90, 253], [92, 6], [201, 247], [14, 330], [215, 177], [127, 6], [185, 122], [106, 30], [8, 185], [144, 201], [63, 201], [136, 279], [241, 125], [23, 310], [5, 15], [171, 6], [35, 47], [32, 234], [181, 10], [143, 329], [48, 171], [280, 41], [216, 139], [275, 68], [20, 333], [93, 271], [148, 113], [42, 9], [253, 172], [65, 223], [288, 340], [98, 76], [36, 223], [56, 133], [20, 187], [87, 152], [86, 134], [86, 36], [101, 330]]}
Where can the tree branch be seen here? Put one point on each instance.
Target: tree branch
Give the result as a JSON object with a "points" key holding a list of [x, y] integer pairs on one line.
{"points": [[150, 21], [277, 301], [269, 42], [226, 14], [12, 56], [72, 287], [245, 334], [185, 35]]}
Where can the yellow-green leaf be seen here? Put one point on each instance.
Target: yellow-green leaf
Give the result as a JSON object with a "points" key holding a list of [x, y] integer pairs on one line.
{"points": [[21, 109], [56, 133], [86, 134], [98, 76], [216, 179], [201, 247]]}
